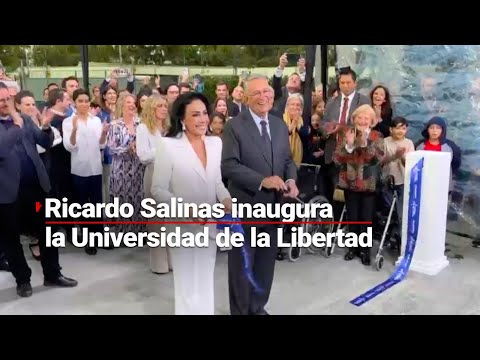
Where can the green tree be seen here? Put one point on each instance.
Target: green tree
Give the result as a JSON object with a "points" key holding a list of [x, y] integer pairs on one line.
{"points": [[143, 54], [56, 55], [11, 55], [103, 53]]}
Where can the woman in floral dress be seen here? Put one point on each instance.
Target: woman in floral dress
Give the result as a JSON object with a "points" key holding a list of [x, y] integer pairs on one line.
{"points": [[126, 180]]}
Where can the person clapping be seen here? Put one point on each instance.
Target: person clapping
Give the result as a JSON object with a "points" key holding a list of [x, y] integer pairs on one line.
{"points": [[358, 155]]}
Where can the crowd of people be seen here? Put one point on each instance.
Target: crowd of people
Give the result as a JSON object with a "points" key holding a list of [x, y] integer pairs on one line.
{"points": [[171, 141]]}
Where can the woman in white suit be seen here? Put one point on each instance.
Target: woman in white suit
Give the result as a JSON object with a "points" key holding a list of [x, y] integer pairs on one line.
{"points": [[187, 166]]}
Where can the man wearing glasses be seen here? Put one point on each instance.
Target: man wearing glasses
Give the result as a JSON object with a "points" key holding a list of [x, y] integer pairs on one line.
{"points": [[24, 181]]}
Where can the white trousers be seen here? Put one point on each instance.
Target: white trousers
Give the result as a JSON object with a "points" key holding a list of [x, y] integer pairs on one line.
{"points": [[193, 275]]}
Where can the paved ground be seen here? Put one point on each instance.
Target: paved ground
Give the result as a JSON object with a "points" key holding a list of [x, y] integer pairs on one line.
{"points": [[119, 282]]}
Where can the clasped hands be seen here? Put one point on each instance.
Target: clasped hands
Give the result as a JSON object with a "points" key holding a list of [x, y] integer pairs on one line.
{"points": [[288, 188]]}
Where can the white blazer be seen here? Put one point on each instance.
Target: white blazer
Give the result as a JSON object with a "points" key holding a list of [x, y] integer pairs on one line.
{"points": [[179, 172]]}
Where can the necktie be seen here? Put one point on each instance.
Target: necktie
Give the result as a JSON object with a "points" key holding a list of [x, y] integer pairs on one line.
{"points": [[343, 117], [265, 136], [266, 139]]}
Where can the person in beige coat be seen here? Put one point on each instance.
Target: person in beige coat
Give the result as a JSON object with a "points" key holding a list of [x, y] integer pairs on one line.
{"points": [[154, 125]]}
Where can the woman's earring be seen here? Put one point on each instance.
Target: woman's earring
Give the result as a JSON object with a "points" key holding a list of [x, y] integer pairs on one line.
{"points": [[183, 126]]}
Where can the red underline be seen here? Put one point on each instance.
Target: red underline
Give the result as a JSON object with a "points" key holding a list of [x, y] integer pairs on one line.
{"points": [[209, 223]]}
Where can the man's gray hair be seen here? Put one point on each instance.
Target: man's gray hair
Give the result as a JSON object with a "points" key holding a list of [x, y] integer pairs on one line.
{"points": [[254, 77], [296, 96], [10, 84]]}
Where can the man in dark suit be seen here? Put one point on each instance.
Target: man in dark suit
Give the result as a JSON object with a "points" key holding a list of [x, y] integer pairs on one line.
{"points": [[257, 162], [338, 113], [24, 181], [294, 84], [236, 105]]}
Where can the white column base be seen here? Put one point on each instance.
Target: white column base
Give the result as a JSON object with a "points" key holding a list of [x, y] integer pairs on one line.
{"points": [[429, 256], [427, 268]]}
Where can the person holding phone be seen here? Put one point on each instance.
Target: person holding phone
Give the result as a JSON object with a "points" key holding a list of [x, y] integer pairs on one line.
{"points": [[113, 80], [294, 83], [359, 154]]}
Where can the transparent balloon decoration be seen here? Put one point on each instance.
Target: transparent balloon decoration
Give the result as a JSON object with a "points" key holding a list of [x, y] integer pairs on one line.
{"points": [[425, 81]]}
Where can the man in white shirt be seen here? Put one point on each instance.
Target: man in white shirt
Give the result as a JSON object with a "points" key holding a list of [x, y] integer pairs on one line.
{"points": [[84, 136]]}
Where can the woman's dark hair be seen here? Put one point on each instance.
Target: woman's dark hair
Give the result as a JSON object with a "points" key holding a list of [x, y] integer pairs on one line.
{"points": [[23, 94], [169, 86], [79, 92], [103, 103], [387, 105], [332, 90], [215, 103], [178, 111], [399, 121]]}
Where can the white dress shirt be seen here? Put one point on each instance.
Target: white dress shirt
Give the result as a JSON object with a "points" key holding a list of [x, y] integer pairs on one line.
{"points": [[258, 121], [86, 153], [350, 99]]}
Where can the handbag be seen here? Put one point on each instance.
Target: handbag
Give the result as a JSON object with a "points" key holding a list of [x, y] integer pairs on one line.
{"points": [[339, 195]]}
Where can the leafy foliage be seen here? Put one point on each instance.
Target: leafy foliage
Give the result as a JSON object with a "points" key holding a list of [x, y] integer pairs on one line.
{"points": [[11, 55], [206, 55]]}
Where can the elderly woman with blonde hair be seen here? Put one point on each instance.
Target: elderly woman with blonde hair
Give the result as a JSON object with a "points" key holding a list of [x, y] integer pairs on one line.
{"points": [[126, 180], [294, 121], [154, 125], [359, 155]]}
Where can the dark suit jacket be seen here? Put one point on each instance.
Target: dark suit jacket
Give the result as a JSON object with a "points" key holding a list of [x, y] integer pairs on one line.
{"points": [[233, 109], [281, 94], [384, 126], [245, 163], [332, 114], [10, 139]]}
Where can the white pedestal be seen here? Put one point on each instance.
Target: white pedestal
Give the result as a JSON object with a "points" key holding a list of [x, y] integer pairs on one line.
{"points": [[429, 256]]}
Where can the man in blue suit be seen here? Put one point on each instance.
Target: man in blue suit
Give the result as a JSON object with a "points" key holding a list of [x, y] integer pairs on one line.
{"points": [[24, 181]]}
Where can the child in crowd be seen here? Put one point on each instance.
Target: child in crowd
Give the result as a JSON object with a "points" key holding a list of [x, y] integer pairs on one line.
{"points": [[395, 148], [435, 139], [95, 108], [315, 153], [217, 123]]}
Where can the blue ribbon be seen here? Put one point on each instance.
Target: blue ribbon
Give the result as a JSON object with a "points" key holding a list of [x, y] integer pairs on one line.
{"points": [[236, 227], [412, 233]]}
